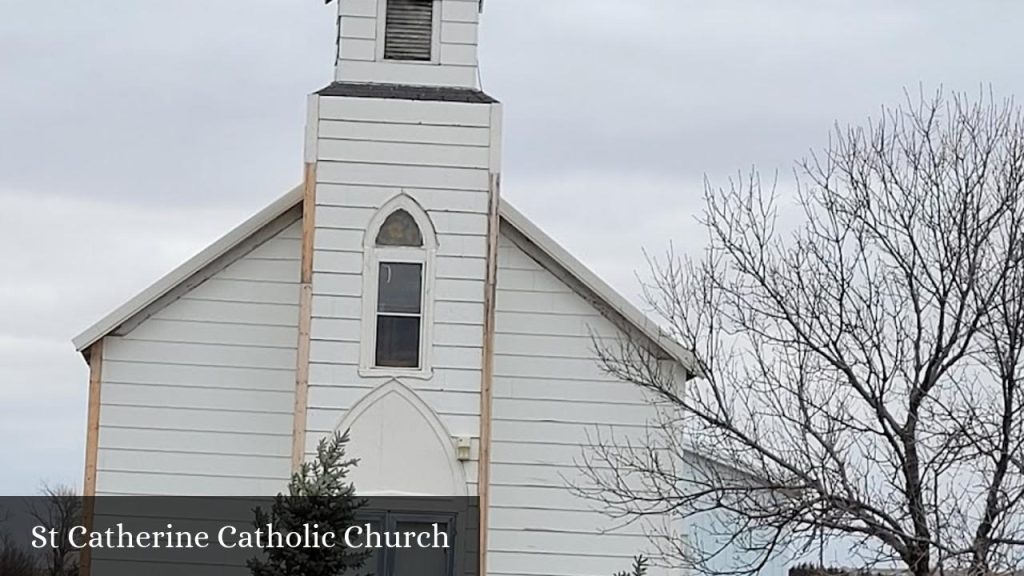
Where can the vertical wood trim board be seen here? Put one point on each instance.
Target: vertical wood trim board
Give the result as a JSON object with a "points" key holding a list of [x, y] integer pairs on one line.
{"points": [[92, 444], [305, 318], [306, 281], [487, 373], [490, 315]]}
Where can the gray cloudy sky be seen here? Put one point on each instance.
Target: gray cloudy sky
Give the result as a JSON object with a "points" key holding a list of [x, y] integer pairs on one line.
{"points": [[134, 133]]}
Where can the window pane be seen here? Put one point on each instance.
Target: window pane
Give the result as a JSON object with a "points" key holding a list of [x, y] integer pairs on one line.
{"points": [[400, 229], [399, 288], [418, 561], [398, 342]]}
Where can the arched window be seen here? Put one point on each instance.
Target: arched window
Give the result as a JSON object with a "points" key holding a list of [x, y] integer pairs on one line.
{"points": [[400, 229], [399, 249]]}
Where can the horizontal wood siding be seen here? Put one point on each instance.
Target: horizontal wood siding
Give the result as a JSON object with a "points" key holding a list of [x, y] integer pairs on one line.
{"points": [[197, 399], [549, 393], [454, 46], [369, 151]]}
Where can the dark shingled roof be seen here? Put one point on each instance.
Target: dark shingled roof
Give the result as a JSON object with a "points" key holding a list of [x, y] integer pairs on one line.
{"points": [[406, 92]]}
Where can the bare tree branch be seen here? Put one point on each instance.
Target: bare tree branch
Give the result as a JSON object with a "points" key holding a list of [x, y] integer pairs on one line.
{"points": [[862, 372]]}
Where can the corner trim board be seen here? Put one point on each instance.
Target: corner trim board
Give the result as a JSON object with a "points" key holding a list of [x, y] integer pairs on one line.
{"points": [[92, 434], [305, 318], [92, 445], [487, 372]]}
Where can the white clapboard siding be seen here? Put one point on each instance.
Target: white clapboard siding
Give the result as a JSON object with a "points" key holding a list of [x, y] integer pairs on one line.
{"points": [[461, 335], [464, 246], [327, 420], [404, 133], [358, 8], [415, 73], [245, 466], [455, 267], [196, 397], [222, 354], [569, 389], [232, 312], [205, 386], [441, 155], [467, 11], [403, 176], [550, 397], [334, 284], [215, 333], [559, 432], [167, 484], [417, 112], [335, 238], [343, 307], [361, 46], [354, 196], [362, 49], [359, 27], [347, 375], [245, 378], [453, 32], [332, 260], [458, 54], [203, 420], [344, 217], [330, 351], [377, 152], [221, 443], [465, 402]]}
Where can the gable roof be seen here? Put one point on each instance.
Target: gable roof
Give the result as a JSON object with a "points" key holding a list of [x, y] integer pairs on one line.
{"points": [[582, 279], [111, 322]]}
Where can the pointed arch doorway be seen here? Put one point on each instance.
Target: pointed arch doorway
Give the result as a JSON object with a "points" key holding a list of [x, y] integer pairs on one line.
{"points": [[403, 447]]}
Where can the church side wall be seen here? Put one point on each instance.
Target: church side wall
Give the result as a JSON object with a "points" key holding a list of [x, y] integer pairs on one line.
{"points": [[549, 394], [198, 398], [551, 399]]}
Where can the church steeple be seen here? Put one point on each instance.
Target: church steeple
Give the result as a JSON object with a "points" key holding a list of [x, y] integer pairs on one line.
{"points": [[410, 42]]}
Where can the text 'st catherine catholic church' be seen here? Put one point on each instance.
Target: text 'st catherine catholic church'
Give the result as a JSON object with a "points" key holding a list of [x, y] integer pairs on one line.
{"points": [[394, 293]]}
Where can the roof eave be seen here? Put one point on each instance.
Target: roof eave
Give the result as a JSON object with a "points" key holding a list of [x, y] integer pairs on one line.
{"points": [[599, 287], [510, 214], [140, 302]]}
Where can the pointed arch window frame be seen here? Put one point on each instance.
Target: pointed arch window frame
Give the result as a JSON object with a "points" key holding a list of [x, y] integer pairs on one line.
{"points": [[373, 256]]}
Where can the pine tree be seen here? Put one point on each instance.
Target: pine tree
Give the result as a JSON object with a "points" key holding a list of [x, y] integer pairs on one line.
{"points": [[317, 494]]}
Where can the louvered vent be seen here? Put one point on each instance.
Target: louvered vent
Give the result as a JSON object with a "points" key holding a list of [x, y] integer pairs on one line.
{"points": [[409, 31]]}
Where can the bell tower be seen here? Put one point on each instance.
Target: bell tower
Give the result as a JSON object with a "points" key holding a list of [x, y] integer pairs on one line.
{"points": [[417, 42], [400, 229]]}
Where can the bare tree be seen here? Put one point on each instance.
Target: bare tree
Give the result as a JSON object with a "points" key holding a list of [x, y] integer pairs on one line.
{"points": [[861, 371], [59, 509], [15, 561]]}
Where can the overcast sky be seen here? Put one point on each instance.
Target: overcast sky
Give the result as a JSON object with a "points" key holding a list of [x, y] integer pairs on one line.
{"points": [[132, 134]]}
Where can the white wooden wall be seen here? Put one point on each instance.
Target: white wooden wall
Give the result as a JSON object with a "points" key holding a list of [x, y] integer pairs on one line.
{"points": [[360, 46], [549, 392], [368, 151], [198, 399]]}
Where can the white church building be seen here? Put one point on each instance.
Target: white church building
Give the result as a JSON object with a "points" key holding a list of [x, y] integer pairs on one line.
{"points": [[394, 293]]}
